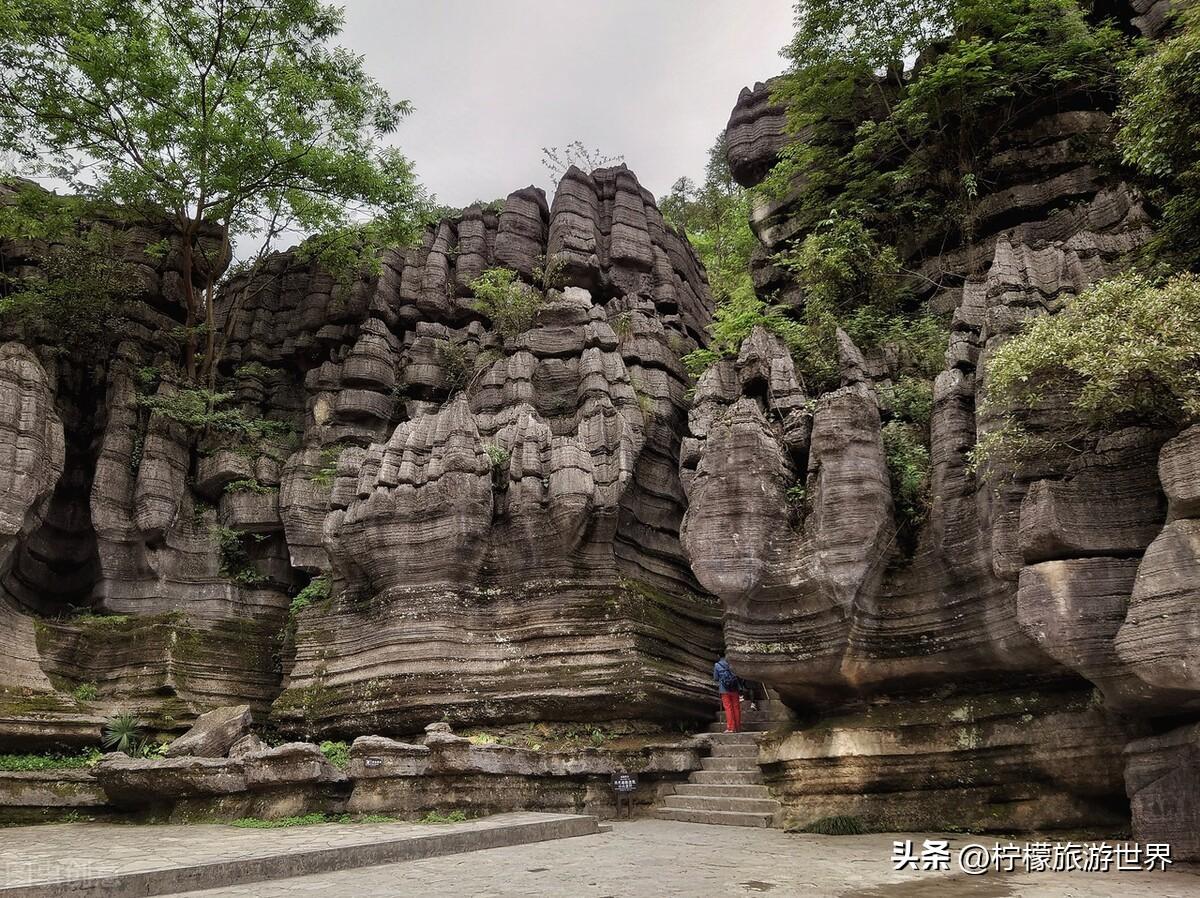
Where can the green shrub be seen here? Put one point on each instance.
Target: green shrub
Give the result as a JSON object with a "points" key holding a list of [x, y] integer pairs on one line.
{"points": [[909, 467], [910, 399], [49, 761], [256, 369], [841, 265], [123, 732], [1161, 103], [337, 753], [550, 272], [838, 825], [506, 300], [326, 473], [235, 558], [1126, 351], [80, 272], [498, 456], [250, 485], [316, 590], [199, 409], [280, 822], [85, 692], [435, 817]]}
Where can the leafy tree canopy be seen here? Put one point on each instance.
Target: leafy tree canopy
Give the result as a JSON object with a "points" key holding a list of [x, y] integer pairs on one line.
{"points": [[905, 152], [715, 217], [234, 113], [1160, 121], [1126, 351]]}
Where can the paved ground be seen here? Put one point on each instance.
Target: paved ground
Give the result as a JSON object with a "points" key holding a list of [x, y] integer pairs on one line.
{"points": [[49, 854], [649, 858]]}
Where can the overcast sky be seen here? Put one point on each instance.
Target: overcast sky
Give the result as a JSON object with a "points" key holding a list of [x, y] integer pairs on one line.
{"points": [[494, 81]]}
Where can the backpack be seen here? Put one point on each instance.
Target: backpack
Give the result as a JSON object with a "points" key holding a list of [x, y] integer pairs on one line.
{"points": [[727, 679]]}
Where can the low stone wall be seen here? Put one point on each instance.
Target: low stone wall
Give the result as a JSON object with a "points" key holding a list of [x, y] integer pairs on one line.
{"points": [[34, 796], [444, 773], [450, 771]]}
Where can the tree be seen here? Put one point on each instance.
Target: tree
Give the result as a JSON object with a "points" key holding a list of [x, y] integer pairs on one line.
{"points": [[715, 218], [576, 153], [905, 152], [1158, 119], [879, 35], [233, 117], [1126, 351]]}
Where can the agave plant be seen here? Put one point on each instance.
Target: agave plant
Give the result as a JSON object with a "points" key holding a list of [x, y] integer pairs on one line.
{"points": [[123, 732]]}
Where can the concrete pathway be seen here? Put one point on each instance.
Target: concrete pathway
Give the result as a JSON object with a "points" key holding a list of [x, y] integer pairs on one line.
{"points": [[649, 858], [104, 860]]}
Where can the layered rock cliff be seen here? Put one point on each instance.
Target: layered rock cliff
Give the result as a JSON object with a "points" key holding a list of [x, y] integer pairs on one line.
{"points": [[494, 516], [1011, 666]]}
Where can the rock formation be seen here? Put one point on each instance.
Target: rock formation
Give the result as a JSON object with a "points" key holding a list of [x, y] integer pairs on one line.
{"points": [[439, 517], [991, 673], [494, 515]]}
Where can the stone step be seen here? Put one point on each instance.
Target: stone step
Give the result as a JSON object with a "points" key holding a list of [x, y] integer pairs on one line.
{"points": [[740, 749], [720, 818], [718, 729], [747, 737], [726, 777], [749, 717], [719, 803], [729, 763], [722, 790]]}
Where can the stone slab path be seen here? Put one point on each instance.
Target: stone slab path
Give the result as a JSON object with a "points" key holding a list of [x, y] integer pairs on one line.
{"points": [[651, 858], [97, 860]]}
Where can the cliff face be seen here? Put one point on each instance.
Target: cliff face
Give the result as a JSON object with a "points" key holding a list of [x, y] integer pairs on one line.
{"points": [[496, 515], [994, 674], [545, 524]]}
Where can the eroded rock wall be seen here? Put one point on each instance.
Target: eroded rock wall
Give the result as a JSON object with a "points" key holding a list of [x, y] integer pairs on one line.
{"points": [[496, 514], [990, 673]]}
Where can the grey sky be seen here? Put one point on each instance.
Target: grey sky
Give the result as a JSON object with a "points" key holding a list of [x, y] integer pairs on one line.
{"points": [[493, 81]]}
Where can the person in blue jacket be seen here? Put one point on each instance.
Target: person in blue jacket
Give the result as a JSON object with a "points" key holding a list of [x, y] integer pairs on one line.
{"points": [[730, 688]]}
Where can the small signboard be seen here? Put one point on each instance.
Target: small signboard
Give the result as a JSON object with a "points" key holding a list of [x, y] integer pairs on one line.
{"points": [[624, 782], [373, 762]]}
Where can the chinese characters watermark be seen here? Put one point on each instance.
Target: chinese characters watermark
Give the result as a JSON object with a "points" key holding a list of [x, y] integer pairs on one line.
{"points": [[976, 858]]}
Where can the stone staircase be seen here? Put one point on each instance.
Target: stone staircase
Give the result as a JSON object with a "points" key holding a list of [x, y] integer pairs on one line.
{"points": [[771, 714], [728, 790]]}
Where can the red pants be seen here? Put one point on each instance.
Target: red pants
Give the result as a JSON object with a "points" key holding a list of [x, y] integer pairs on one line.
{"points": [[733, 711]]}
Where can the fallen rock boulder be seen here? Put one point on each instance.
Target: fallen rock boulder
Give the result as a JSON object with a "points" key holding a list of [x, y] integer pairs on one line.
{"points": [[213, 734]]}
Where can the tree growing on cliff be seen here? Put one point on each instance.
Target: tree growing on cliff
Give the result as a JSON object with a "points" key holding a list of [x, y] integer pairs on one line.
{"points": [[715, 216], [233, 118]]}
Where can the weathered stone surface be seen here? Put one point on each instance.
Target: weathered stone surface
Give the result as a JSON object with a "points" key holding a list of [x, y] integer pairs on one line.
{"points": [[213, 734], [248, 744], [1160, 638], [1162, 779], [1073, 610], [140, 781], [1179, 471], [32, 449], [450, 770], [1001, 762], [49, 789], [755, 134], [290, 764], [1101, 514]]}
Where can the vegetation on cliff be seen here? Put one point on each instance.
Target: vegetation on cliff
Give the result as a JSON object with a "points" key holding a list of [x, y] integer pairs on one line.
{"points": [[238, 122]]}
